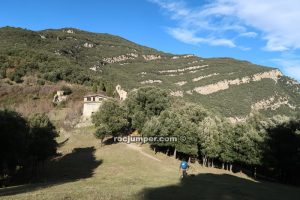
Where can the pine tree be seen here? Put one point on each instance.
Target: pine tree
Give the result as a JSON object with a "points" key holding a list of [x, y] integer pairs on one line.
{"points": [[209, 138]]}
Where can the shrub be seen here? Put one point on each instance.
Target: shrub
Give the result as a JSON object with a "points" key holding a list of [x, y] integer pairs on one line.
{"points": [[2, 73], [67, 90], [40, 82], [17, 78]]}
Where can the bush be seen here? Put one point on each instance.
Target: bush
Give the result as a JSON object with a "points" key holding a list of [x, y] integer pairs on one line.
{"points": [[51, 76], [35, 97], [40, 82], [95, 88], [101, 132], [67, 90], [17, 78], [2, 73]]}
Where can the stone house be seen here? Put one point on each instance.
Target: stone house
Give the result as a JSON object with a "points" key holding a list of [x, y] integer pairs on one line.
{"points": [[91, 104]]}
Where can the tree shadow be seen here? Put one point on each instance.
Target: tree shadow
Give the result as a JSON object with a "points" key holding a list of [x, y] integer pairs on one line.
{"points": [[220, 187], [109, 141], [79, 164]]}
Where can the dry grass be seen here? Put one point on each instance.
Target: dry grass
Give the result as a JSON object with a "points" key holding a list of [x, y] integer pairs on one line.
{"points": [[27, 99], [88, 171]]}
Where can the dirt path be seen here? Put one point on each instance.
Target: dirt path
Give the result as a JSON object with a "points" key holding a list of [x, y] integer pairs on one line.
{"points": [[139, 149]]}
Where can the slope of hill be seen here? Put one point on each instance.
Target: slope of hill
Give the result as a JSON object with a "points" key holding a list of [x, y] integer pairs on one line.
{"points": [[87, 171], [231, 87]]}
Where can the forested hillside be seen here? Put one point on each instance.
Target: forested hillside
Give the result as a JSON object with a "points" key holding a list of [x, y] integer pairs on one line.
{"points": [[231, 87]]}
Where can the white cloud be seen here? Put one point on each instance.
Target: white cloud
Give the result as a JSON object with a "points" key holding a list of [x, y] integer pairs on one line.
{"points": [[189, 37], [248, 34], [192, 22], [277, 21], [177, 8]]}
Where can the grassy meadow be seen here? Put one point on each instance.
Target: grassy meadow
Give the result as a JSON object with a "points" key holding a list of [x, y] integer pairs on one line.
{"points": [[85, 170]]}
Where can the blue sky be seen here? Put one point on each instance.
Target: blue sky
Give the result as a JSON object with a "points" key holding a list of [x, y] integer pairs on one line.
{"points": [[263, 32]]}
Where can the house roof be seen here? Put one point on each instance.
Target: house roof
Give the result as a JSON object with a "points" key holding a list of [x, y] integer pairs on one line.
{"points": [[96, 95]]}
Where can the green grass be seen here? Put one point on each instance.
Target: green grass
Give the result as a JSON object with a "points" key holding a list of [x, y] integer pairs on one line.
{"points": [[87, 171]]}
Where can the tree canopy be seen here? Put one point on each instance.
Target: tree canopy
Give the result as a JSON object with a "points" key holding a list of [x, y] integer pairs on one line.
{"points": [[144, 103], [111, 118], [24, 142]]}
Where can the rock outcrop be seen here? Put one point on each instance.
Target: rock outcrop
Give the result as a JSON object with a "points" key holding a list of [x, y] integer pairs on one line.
{"points": [[151, 57], [88, 45], [59, 97], [151, 81], [183, 69], [181, 83], [69, 31], [223, 85], [272, 103], [122, 93], [202, 77], [116, 59], [177, 93]]}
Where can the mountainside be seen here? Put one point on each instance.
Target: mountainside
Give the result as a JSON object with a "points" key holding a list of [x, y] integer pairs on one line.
{"points": [[231, 87]]}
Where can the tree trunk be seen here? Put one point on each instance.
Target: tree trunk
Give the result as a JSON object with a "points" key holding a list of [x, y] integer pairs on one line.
{"points": [[204, 161], [175, 153], [189, 160], [230, 167], [212, 163], [223, 166], [168, 151]]}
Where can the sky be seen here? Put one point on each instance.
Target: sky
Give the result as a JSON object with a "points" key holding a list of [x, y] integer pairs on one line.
{"points": [[263, 32]]}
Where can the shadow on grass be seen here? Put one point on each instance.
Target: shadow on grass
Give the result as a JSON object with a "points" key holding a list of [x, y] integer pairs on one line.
{"points": [[221, 187], [109, 141], [79, 164]]}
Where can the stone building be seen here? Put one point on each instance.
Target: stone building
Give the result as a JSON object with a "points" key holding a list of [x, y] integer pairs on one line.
{"points": [[122, 93], [91, 104], [59, 97]]}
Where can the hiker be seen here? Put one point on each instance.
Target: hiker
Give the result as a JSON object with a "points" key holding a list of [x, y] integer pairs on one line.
{"points": [[183, 167]]}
